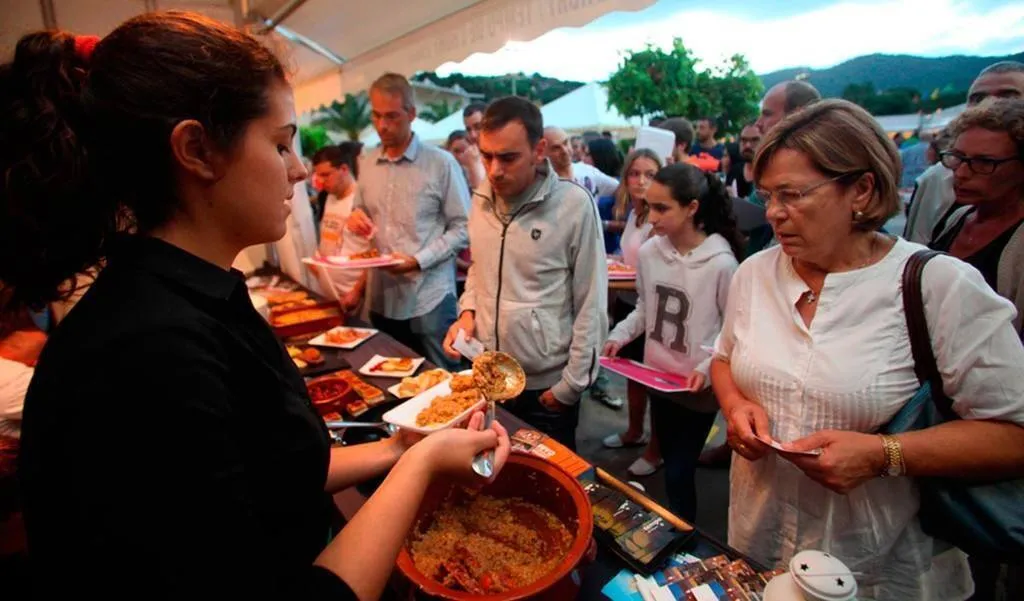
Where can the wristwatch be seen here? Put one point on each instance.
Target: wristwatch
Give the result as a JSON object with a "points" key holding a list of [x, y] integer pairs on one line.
{"points": [[894, 465]]}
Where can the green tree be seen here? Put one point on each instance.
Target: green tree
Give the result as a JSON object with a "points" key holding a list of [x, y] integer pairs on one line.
{"points": [[652, 82], [860, 93], [737, 90], [312, 138], [941, 99], [895, 101], [436, 111], [350, 117]]}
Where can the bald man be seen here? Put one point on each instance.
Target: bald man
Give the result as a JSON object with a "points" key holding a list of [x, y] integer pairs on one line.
{"points": [[783, 99], [559, 152]]}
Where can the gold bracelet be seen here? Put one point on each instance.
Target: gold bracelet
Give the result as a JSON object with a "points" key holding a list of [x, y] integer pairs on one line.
{"points": [[894, 464]]}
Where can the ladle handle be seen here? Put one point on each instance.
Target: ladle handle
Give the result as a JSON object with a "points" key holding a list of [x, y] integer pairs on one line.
{"points": [[483, 464]]}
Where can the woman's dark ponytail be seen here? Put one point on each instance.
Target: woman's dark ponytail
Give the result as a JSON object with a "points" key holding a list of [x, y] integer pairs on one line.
{"points": [[52, 224], [714, 215], [85, 136]]}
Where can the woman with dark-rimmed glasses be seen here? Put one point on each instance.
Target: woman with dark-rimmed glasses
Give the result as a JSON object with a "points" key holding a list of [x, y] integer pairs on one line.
{"points": [[986, 160]]}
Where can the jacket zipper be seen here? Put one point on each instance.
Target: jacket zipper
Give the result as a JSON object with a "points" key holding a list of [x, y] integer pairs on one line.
{"points": [[501, 266]]}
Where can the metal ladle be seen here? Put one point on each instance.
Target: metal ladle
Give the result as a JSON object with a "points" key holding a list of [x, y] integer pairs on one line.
{"points": [[513, 385]]}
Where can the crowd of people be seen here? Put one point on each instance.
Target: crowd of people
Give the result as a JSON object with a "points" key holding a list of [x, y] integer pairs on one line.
{"points": [[794, 328]]}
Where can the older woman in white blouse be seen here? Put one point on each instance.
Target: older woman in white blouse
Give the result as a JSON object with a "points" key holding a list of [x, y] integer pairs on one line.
{"points": [[814, 353]]}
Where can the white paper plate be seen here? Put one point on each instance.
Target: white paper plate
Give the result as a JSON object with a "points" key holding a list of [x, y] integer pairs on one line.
{"points": [[404, 415], [346, 263], [365, 369], [321, 340]]}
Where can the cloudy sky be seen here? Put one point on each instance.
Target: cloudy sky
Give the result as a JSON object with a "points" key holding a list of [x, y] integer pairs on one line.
{"points": [[771, 34]]}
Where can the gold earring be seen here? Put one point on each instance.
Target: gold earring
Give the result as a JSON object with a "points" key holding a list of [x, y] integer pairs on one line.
{"points": [[858, 215]]}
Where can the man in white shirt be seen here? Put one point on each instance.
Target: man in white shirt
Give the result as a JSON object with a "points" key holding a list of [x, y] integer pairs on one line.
{"points": [[559, 152], [933, 196], [336, 167]]}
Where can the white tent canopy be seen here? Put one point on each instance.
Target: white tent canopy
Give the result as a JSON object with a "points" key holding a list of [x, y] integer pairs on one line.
{"points": [[586, 108], [357, 40], [441, 129], [332, 47], [915, 121], [426, 131]]}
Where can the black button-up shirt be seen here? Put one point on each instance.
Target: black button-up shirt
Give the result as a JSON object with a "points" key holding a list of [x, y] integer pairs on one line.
{"points": [[169, 448]]}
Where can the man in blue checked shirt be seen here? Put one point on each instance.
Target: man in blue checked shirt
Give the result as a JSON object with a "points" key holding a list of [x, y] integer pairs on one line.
{"points": [[413, 201]]}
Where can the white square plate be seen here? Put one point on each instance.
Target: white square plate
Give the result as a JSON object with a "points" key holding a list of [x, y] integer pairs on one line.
{"points": [[404, 415], [321, 340], [366, 369]]}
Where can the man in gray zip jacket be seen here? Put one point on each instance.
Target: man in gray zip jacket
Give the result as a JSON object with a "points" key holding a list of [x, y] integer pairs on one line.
{"points": [[538, 285]]}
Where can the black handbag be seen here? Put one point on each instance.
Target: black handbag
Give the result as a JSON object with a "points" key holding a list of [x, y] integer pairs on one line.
{"points": [[982, 518]]}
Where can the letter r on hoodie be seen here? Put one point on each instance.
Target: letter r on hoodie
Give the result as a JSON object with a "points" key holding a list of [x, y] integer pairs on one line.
{"points": [[673, 309]]}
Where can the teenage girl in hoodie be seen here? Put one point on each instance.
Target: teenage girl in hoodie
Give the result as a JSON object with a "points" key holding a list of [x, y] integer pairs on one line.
{"points": [[683, 276]]}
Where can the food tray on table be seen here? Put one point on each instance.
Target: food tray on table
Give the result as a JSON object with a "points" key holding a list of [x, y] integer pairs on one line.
{"points": [[343, 337], [391, 367], [314, 362], [405, 415], [306, 319]]}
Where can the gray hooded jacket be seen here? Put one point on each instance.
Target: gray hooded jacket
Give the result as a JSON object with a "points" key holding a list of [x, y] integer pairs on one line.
{"points": [[538, 285]]}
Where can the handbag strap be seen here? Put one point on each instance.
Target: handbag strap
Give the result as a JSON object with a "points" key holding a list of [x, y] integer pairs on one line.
{"points": [[925, 366]]}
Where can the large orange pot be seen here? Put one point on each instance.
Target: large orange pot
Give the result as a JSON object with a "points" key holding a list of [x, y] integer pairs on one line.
{"points": [[536, 481]]}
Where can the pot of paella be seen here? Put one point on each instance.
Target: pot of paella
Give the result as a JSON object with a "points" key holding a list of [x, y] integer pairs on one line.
{"points": [[522, 536]]}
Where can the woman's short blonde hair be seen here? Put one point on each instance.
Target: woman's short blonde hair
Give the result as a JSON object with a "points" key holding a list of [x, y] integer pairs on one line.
{"points": [[1002, 114], [840, 138]]}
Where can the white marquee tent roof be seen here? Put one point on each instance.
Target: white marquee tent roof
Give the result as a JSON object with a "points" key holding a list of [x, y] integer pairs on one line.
{"points": [[583, 109], [927, 122], [440, 130], [427, 132], [586, 108], [332, 47], [359, 39]]}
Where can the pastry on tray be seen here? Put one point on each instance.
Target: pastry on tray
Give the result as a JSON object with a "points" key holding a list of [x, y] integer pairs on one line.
{"points": [[394, 364], [414, 385]]}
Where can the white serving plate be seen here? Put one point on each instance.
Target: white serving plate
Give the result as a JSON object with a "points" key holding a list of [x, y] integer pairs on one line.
{"points": [[347, 263], [321, 340], [404, 415], [365, 369]]}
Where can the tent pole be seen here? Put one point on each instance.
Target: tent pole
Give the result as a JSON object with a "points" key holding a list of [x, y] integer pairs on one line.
{"points": [[49, 14], [282, 13]]}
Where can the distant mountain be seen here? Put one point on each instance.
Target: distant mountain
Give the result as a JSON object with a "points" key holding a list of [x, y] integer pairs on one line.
{"points": [[888, 71]]}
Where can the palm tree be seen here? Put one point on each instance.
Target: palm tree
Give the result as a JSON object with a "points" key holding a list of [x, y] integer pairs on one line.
{"points": [[436, 111], [350, 117]]}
